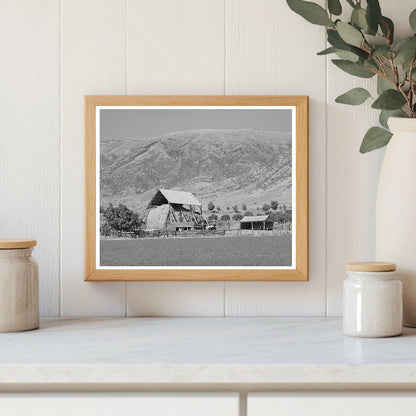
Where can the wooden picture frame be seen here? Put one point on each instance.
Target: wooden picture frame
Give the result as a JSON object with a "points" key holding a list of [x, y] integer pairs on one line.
{"points": [[298, 270]]}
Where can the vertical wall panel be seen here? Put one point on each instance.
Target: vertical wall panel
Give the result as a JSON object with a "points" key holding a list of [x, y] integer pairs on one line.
{"points": [[175, 47], [352, 177], [29, 135], [271, 50], [93, 59]]}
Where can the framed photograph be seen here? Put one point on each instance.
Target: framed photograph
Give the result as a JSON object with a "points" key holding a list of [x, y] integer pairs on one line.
{"points": [[196, 188]]}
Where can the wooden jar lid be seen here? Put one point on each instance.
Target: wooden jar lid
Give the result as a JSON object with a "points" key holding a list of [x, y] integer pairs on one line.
{"points": [[371, 266], [11, 243]]}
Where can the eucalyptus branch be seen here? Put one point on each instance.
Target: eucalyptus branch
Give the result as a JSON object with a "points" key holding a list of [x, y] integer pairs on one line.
{"points": [[405, 96], [366, 47], [395, 71], [366, 43], [411, 82]]}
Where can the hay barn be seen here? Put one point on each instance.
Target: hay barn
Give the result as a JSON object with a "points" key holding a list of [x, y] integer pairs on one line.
{"points": [[256, 222], [174, 211]]}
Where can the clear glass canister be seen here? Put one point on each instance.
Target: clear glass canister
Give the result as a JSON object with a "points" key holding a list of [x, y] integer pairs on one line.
{"points": [[19, 286], [372, 300]]}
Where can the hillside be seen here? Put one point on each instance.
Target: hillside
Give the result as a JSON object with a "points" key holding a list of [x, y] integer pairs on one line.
{"points": [[227, 167]]}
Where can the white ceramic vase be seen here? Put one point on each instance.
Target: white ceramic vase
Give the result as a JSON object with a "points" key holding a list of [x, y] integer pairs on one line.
{"points": [[396, 210]]}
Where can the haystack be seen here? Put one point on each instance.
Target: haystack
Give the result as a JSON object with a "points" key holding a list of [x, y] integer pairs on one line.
{"points": [[156, 218]]}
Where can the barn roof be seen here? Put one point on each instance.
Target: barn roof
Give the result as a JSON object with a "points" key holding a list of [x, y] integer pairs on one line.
{"points": [[255, 218], [164, 196]]}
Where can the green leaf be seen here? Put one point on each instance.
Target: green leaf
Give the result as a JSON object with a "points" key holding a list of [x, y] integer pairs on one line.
{"points": [[350, 56], [387, 27], [335, 40], [373, 15], [383, 84], [389, 100], [381, 50], [370, 64], [352, 68], [334, 7], [311, 12], [349, 34], [412, 20], [358, 18], [405, 50], [356, 96], [375, 138], [327, 51], [405, 43], [386, 114], [347, 55]]}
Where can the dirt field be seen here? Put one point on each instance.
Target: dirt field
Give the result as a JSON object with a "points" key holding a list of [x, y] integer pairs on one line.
{"points": [[189, 251]]}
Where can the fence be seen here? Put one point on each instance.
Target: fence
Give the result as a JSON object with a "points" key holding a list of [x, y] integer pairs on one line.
{"points": [[283, 229]]}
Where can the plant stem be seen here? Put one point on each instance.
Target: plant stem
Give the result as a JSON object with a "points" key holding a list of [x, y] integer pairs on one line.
{"points": [[411, 82]]}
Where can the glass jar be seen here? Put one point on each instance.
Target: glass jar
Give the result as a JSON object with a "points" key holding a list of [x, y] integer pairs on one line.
{"points": [[372, 300], [19, 286]]}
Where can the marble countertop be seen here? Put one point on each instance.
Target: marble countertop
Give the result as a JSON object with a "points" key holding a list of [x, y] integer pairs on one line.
{"points": [[204, 351]]}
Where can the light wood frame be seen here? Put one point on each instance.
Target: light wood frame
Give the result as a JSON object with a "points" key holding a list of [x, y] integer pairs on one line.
{"points": [[300, 273]]}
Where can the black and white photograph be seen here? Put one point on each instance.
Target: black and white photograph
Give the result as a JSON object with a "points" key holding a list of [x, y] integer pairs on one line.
{"points": [[196, 187]]}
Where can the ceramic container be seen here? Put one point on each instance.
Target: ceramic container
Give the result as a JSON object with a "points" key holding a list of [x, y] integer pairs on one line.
{"points": [[395, 209], [372, 300], [19, 286]]}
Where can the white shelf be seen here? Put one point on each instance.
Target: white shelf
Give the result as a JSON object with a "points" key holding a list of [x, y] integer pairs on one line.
{"points": [[192, 352]]}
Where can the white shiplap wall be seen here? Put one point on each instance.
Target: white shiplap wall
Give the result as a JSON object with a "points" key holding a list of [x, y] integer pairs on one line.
{"points": [[29, 134], [54, 52]]}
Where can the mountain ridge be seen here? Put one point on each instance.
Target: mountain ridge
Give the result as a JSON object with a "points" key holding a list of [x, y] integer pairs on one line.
{"points": [[232, 166]]}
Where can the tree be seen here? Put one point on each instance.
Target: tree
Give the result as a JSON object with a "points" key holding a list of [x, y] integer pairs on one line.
{"points": [[228, 208], [235, 208], [248, 213], [122, 218], [274, 205], [244, 207], [211, 206], [218, 208], [105, 229], [237, 217], [226, 218], [213, 217], [265, 207], [281, 217]]}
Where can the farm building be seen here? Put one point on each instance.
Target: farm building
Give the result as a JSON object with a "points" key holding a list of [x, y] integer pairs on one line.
{"points": [[256, 222], [175, 211]]}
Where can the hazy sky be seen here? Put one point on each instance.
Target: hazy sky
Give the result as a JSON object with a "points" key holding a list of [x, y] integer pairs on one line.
{"points": [[133, 123]]}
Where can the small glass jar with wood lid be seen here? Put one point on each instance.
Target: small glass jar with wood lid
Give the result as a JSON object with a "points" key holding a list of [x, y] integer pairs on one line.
{"points": [[372, 300], [19, 286]]}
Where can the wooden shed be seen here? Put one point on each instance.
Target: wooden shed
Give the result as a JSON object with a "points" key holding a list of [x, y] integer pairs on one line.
{"points": [[256, 222], [174, 210]]}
